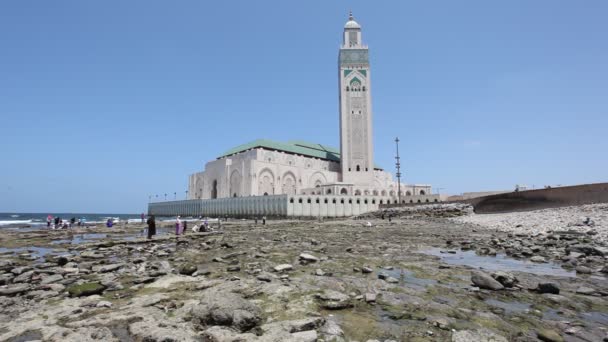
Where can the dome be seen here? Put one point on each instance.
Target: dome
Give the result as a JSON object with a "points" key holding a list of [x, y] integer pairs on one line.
{"points": [[351, 23]]}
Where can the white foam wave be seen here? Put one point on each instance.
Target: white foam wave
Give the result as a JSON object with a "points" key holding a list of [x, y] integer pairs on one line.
{"points": [[9, 222]]}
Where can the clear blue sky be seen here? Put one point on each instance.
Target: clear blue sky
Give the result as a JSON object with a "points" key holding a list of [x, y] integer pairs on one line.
{"points": [[103, 103]]}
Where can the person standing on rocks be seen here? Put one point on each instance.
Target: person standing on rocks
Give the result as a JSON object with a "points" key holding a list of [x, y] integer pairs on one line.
{"points": [[263, 220], [151, 226], [48, 221], [184, 227], [178, 225]]}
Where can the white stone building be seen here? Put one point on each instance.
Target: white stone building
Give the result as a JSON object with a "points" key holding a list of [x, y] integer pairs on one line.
{"points": [[265, 168]]}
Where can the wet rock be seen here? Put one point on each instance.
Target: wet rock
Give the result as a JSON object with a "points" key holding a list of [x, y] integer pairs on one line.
{"points": [[62, 260], [228, 309], [86, 289], [549, 335], [187, 269], [283, 268], [538, 258], [481, 335], [583, 270], [552, 288], [366, 269], [588, 249], [233, 268], [586, 291], [6, 265], [6, 278], [308, 257], [485, 281], [14, 289], [294, 326], [264, 277], [505, 278], [319, 272], [220, 334]]}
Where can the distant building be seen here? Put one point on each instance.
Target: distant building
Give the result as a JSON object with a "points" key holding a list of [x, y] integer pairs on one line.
{"points": [[265, 167]]}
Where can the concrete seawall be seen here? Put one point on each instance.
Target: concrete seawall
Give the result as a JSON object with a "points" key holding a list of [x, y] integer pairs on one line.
{"points": [[541, 198]]}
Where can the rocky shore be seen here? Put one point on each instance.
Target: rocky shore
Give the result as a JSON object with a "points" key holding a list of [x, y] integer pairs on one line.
{"points": [[428, 275]]}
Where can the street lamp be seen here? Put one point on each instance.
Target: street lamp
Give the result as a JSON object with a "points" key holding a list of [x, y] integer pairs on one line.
{"points": [[165, 197], [175, 195], [398, 165], [186, 194]]}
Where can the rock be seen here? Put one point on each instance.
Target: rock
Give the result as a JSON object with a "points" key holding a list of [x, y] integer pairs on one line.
{"points": [[24, 277], [187, 269], [103, 304], [233, 268], [91, 255], [538, 258], [21, 269], [505, 278], [548, 288], [308, 257], [86, 289], [106, 268], [481, 335], [264, 277], [220, 334], [294, 326], [51, 279], [391, 280], [62, 260], [366, 269], [587, 291], [485, 281], [227, 309], [6, 265], [370, 297], [283, 268], [334, 300], [6, 278], [583, 270], [588, 249], [14, 289], [548, 335], [319, 272]]}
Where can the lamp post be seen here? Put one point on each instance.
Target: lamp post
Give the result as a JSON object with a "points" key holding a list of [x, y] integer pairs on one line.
{"points": [[398, 165], [200, 193], [186, 194], [165, 197], [175, 195], [149, 198]]}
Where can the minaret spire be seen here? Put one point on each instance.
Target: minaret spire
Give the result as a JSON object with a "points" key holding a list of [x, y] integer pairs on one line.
{"points": [[350, 15]]}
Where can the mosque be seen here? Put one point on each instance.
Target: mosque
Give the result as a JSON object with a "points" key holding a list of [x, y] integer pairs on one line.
{"points": [[299, 178], [264, 167]]}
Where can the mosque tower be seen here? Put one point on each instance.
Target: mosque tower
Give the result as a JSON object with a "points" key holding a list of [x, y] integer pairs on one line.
{"points": [[356, 147]]}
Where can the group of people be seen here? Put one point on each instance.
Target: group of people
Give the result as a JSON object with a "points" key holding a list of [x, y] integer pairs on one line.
{"points": [[59, 223]]}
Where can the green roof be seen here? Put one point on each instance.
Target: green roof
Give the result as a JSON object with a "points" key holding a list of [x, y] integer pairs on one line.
{"points": [[296, 147]]}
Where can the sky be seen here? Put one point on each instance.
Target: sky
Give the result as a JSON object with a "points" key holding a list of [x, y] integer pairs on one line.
{"points": [[104, 103]]}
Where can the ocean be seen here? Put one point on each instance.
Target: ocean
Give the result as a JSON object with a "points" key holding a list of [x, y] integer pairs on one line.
{"points": [[30, 220]]}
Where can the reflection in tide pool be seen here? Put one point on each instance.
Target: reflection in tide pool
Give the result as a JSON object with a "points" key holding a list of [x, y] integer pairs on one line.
{"points": [[500, 262]]}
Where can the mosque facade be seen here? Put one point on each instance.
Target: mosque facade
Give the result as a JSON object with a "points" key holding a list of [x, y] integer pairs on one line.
{"points": [[269, 168]]}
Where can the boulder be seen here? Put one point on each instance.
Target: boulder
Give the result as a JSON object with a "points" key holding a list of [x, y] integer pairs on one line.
{"points": [[485, 281], [586, 291], [505, 278], [547, 288], [334, 300], [227, 309], [583, 270], [308, 257], [481, 335], [187, 269], [14, 289], [538, 258], [283, 268], [51, 279], [549, 335], [24, 277]]}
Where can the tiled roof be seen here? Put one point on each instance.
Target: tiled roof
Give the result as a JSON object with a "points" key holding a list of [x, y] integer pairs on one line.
{"points": [[296, 147]]}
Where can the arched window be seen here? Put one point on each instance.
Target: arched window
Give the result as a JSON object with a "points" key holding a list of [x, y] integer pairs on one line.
{"points": [[436, 200], [342, 201], [358, 168], [317, 201], [325, 201], [299, 200], [365, 201], [363, 88], [373, 201], [308, 201], [422, 192], [357, 192], [408, 193], [347, 88], [427, 200], [343, 191], [419, 201], [265, 194], [291, 200], [381, 202], [358, 201], [350, 201], [333, 201], [328, 191]]}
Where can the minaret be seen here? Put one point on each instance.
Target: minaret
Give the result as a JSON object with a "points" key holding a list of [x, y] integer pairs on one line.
{"points": [[356, 148]]}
